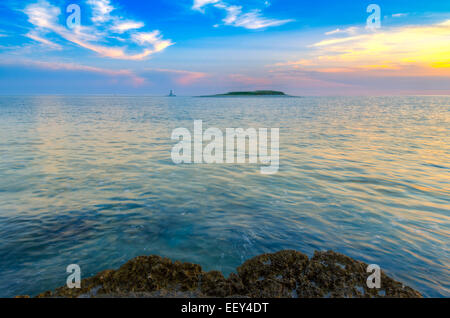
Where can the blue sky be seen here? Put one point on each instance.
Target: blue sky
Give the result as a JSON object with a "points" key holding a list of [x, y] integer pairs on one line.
{"points": [[210, 46]]}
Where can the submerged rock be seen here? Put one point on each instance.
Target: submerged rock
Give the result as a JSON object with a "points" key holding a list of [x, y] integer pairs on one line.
{"points": [[285, 274]]}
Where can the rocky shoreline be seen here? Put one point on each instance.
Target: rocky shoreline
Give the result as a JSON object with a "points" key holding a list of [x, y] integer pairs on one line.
{"points": [[286, 274]]}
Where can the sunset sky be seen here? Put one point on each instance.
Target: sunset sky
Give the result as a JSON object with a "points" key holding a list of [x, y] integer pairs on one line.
{"points": [[211, 46]]}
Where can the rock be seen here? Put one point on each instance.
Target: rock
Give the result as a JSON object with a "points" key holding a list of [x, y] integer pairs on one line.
{"points": [[273, 275], [215, 284], [336, 275], [284, 274]]}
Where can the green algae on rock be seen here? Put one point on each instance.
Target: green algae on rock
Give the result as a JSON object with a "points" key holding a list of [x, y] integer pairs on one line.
{"points": [[285, 274]]}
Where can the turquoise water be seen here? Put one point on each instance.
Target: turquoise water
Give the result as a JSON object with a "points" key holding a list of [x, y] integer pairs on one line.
{"points": [[90, 181]]}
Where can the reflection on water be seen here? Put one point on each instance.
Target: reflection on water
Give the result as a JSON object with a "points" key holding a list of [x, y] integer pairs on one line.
{"points": [[89, 180]]}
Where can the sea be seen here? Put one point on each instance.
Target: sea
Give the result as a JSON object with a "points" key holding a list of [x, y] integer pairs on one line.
{"points": [[89, 180]]}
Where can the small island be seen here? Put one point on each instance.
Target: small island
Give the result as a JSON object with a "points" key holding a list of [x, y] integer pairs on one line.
{"points": [[253, 93]]}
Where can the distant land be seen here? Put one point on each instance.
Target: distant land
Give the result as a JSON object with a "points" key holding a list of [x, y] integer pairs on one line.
{"points": [[253, 93]]}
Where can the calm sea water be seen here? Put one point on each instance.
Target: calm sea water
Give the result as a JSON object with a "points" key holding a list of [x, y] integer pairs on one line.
{"points": [[90, 181]]}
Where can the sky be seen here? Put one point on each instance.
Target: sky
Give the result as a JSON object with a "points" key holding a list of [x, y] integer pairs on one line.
{"points": [[197, 47]]}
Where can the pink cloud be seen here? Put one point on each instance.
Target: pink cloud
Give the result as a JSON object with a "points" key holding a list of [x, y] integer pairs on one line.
{"points": [[248, 80], [56, 66], [183, 77]]}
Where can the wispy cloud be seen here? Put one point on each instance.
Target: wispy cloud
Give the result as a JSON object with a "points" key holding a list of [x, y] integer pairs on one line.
{"points": [[400, 51], [122, 27], [44, 17], [249, 80], [350, 30], [58, 66], [101, 10], [235, 16], [302, 62], [199, 4], [399, 15], [153, 38], [182, 77], [102, 14], [35, 36]]}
